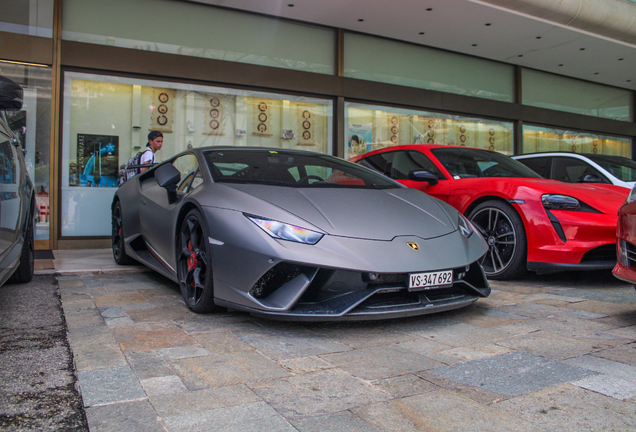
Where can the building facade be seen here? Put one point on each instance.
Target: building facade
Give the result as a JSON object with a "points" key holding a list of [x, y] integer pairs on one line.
{"points": [[98, 76]]}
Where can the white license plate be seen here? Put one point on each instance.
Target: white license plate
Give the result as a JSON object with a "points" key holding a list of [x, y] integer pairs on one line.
{"points": [[430, 280]]}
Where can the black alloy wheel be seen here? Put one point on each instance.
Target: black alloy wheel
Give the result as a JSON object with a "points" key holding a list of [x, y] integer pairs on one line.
{"points": [[503, 230], [119, 250], [193, 264]]}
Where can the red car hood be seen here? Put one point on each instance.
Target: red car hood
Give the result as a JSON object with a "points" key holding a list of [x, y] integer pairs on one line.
{"points": [[604, 198]]}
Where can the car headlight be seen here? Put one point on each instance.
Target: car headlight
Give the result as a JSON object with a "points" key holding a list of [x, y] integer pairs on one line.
{"points": [[559, 202], [283, 231], [632, 196], [465, 227]]}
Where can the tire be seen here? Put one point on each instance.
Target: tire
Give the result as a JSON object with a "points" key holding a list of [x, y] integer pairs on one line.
{"points": [[505, 234], [194, 269], [118, 245], [24, 272]]}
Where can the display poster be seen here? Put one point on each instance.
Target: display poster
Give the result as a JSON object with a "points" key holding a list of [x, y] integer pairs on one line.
{"points": [[360, 138], [97, 161]]}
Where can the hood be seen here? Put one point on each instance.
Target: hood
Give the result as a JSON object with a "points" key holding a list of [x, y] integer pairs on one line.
{"points": [[356, 213]]}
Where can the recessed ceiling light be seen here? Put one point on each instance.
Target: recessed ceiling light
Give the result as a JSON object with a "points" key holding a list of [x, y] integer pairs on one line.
{"points": [[360, 20], [595, 73], [520, 55], [488, 24], [421, 33], [581, 49], [561, 65], [538, 37], [429, 9], [474, 44], [620, 59], [291, 5]]}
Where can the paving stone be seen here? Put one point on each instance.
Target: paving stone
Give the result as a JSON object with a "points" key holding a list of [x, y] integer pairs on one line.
{"points": [[478, 394], [468, 353], [171, 313], [609, 386], [103, 386], [95, 348], [602, 307], [151, 336], [585, 315], [67, 282], [344, 421], [609, 295], [183, 352], [198, 323], [68, 297], [148, 364], [163, 385], [568, 408], [79, 307], [223, 368], [624, 354], [91, 318], [460, 334], [385, 417], [252, 417], [137, 416], [442, 410], [572, 326], [532, 310], [137, 306], [512, 374], [425, 347], [222, 341], [405, 385], [317, 393], [119, 300], [558, 297], [203, 400], [553, 346], [301, 365], [112, 312], [289, 344], [380, 362], [604, 366], [363, 336], [626, 332]]}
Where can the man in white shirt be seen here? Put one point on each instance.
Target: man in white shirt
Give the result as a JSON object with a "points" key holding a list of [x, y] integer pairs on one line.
{"points": [[155, 141]]}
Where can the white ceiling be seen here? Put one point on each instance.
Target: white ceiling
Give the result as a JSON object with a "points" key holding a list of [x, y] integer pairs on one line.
{"points": [[457, 25]]}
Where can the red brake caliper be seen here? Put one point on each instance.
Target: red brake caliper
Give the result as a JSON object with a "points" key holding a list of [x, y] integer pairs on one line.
{"points": [[192, 260]]}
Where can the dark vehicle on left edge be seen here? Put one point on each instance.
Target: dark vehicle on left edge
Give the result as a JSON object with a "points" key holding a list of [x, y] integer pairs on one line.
{"points": [[17, 199], [296, 235]]}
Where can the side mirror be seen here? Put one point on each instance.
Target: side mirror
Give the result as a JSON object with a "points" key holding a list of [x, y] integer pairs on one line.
{"points": [[168, 178], [591, 178], [11, 95], [422, 176]]}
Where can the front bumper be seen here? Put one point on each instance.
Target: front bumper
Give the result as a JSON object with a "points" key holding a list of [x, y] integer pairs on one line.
{"points": [[338, 295]]}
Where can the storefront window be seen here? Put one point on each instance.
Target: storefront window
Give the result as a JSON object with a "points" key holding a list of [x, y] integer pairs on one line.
{"points": [[373, 127], [29, 17], [107, 120], [539, 139], [394, 62], [199, 30], [567, 94], [33, 125]]}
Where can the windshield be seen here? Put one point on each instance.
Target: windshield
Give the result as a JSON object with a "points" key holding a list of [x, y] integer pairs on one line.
{"points": [[620, 167], [468, 163], [291, 169]]}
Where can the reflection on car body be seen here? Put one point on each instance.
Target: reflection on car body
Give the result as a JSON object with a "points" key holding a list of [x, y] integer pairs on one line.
{"points": [[296, 235]]}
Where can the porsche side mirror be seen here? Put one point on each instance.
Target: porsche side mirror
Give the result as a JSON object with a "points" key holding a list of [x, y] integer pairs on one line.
{"points": [[423, 176], [168, 178], [591, 178]]}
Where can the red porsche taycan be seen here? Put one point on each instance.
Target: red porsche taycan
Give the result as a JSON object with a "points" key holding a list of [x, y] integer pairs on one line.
{"points": [[626, 237], [530, 223]]}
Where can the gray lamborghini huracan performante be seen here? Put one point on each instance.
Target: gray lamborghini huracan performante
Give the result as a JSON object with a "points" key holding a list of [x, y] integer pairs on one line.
{"points": [[296, 235]]}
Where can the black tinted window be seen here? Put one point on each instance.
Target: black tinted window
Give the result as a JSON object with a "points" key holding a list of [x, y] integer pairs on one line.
{"points": [[381, 162], [572, 170], [469, 162], [291, 169], [540, 165], [407, 161]]}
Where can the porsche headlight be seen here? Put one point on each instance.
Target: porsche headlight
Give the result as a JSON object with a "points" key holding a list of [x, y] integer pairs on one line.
{"points": [[632, 196], [465, 227], [559, 202], [283, 231]]}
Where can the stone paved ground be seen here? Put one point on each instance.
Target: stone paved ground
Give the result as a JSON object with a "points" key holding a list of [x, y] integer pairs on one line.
{"points": [[548, 353]]}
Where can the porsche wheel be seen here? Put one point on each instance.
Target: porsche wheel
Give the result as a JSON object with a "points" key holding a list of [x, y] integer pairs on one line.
{"points": [[503, 230], [193, 264], [119, 250]]}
